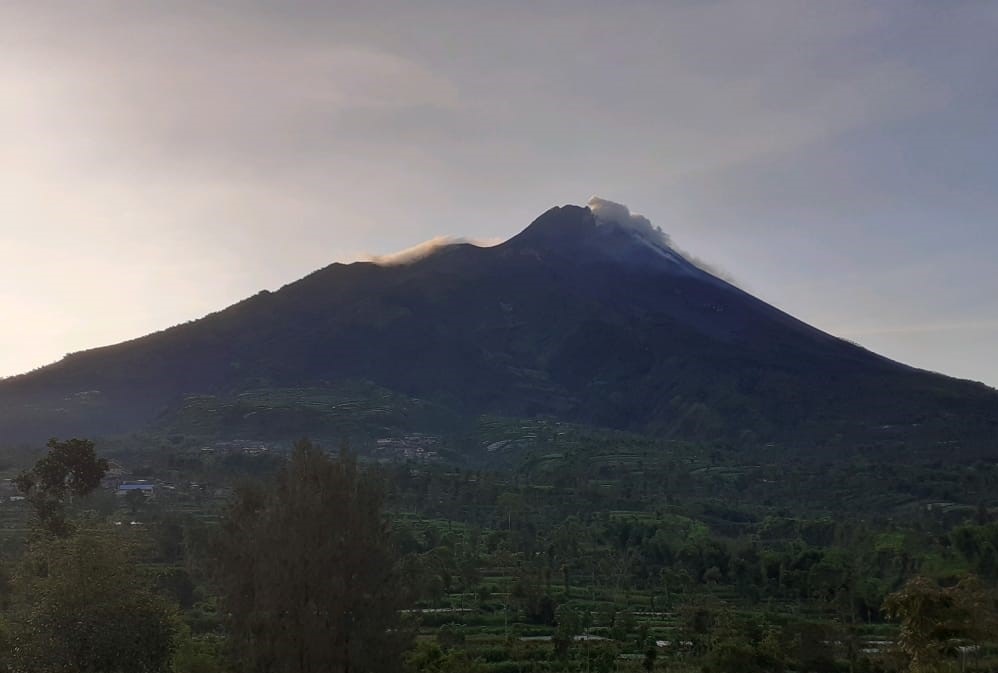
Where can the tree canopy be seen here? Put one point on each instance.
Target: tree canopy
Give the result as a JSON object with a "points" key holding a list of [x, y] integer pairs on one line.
{"points": [[308, 574], [936, 620], [82, 608], [70, 469]]}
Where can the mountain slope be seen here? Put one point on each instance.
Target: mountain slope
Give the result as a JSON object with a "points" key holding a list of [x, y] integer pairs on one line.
{"points": [[579, 317]]}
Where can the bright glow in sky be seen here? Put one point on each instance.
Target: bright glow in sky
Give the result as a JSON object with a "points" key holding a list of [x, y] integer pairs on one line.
{"points": [[159, 160]]}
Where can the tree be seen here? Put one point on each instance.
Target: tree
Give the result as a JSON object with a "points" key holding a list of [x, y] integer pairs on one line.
{"points": [[308, 574], [569, 625], [81, 608], [196, 655], [428, 657], [651, 653], [935, 620], [70, 469]]}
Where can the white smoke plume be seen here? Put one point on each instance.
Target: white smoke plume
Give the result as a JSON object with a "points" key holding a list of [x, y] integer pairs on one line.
{"points": [[609, 212], [606, 212]]}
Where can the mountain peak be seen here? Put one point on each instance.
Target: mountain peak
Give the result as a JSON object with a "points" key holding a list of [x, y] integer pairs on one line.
{"points": [[559, 227], [603, 230]]}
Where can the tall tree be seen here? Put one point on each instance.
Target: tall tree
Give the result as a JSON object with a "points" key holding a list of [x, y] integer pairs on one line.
{"points": [[308, 573], [69, 469], [80, 607]]}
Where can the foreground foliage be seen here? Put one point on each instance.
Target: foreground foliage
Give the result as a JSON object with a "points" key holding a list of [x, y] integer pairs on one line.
{"points": [[83, 609], [938, 621], [307, 572], [572, 553]]}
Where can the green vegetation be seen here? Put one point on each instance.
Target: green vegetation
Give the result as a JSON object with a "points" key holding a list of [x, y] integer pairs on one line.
{"points": [[551, 547], [79, 606], [69, 469], [307, 574]]}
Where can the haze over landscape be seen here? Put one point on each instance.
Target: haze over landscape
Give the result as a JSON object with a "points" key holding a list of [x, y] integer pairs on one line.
{"points": [[162, 160]]}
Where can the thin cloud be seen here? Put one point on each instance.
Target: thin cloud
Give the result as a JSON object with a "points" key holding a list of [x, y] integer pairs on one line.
{"points": [[426, 249]]}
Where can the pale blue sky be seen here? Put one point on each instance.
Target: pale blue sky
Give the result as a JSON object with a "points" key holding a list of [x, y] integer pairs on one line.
{"points": [[159, 160]]}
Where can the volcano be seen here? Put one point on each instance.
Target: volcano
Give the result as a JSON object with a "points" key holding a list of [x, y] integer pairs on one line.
{"points": [[589, 315]]}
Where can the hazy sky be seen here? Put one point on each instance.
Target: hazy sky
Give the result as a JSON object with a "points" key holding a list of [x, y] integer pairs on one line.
{"points": [[159, 160]]}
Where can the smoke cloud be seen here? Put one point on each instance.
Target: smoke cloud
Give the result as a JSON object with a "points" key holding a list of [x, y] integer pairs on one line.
{"points": [[427, 249], [612, 213], [415, 253], [606, 212]]}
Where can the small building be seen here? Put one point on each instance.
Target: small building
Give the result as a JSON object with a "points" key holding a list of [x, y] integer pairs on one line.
{"points": [[144, 487]]}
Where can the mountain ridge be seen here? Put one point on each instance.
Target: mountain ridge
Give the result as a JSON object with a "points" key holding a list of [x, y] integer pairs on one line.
{"points": [[573, 318]]}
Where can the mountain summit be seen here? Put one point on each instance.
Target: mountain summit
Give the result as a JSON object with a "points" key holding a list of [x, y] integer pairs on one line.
{"points": [[589, 315], [603, 230]]}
